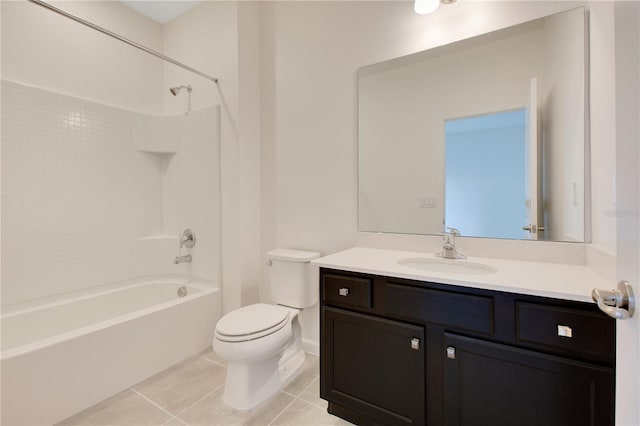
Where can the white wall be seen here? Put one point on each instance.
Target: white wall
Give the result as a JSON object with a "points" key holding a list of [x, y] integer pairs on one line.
{"points": [[194, 38], [603, 127], [219, 38], [47, 50], [249, 121], [310, 113], [311, 51], [627, 101]]}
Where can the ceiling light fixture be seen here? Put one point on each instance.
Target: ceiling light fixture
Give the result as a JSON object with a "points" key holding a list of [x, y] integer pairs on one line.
{"points": [[423, 7]]}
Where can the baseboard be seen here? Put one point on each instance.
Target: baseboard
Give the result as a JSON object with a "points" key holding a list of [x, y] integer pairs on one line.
{"points": [[311, 347]]}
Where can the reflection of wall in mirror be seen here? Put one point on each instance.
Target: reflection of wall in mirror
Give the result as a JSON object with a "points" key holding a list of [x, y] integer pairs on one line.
{"points": [[403, 106], [402, 116], [563, 129]]}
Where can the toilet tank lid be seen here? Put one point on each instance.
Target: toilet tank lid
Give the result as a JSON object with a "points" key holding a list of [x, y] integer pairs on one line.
{"points": [[292, 255]]}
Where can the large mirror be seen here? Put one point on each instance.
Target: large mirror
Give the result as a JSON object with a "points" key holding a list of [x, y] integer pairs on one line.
{"points": [[486, 135]]}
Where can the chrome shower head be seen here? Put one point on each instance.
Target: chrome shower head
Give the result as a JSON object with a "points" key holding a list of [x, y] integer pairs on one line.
{"points": [[175, 90]]}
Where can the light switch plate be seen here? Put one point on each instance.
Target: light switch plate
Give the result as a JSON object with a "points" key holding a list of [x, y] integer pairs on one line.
{"points": [[427, 203]]}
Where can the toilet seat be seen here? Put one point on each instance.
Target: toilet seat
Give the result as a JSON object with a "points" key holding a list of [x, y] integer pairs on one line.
{"points": [[252, 322]]}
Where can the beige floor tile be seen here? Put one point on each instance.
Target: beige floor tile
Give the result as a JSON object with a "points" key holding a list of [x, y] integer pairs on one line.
{"points": [[302, 413], [310, 371], [212, 411], [180, 386], [312, 395], [173, 421], [125, 408]]}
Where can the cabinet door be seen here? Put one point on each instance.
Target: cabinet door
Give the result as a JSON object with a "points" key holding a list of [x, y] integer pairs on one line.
{"points": [[373, 366], [492, 384]]}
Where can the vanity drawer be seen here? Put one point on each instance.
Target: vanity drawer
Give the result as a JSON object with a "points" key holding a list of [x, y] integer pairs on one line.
{"points": [[449, 308], [343, 290], [591, 334]]}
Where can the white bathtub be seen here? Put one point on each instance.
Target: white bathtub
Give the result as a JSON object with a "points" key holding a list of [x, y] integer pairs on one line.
{"points": [[64, 356]]}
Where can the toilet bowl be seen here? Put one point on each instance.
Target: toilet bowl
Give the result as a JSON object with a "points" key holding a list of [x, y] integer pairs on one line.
{"points": [[262, 343], [262, 346]]}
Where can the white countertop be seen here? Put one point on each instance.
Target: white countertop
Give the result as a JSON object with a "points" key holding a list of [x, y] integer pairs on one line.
{"points": [[556, 280]]}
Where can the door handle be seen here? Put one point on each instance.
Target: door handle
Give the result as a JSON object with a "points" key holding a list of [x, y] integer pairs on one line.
{"points": [[619, 303]]}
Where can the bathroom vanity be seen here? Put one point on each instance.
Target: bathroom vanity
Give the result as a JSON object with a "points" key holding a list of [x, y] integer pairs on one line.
{"points": [[517, 344]]}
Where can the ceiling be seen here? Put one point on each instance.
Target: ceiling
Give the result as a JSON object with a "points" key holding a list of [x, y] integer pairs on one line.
{"points": [[161, 11]]}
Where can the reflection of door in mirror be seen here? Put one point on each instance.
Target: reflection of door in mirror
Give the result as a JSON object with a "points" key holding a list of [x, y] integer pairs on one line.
{"points": [[485, 176], [533, 223]]}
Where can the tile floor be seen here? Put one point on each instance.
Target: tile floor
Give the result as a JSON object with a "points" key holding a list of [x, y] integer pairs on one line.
{"points": [[190, 393]]}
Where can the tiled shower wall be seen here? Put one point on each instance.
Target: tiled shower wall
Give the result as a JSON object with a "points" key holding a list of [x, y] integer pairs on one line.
{"points": [[192, 193], [81, 205]]}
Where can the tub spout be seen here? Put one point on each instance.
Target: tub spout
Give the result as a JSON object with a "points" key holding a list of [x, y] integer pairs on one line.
{"points": [[182, 259]]}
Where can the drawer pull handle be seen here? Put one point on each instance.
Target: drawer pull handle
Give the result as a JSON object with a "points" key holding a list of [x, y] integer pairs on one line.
{"points": [[451, 352], [565, 331], [415, 344], [344, 291]]}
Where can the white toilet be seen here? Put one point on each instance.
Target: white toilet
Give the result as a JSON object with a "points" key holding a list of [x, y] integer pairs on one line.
{"points": [[262, 343]]}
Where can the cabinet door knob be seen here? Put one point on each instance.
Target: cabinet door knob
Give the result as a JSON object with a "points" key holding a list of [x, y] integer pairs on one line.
{"points": [[415, 344], [565, 331], [451, 352], [344, 291]]}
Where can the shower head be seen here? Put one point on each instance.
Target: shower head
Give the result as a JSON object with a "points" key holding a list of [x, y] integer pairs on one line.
{"points": [[175, 90]]}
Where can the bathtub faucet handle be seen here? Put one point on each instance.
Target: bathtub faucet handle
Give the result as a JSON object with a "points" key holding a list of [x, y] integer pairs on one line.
{"points": [[188, 239]]}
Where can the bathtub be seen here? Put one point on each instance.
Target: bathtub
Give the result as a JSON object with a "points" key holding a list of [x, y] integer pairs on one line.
{"points": [[60, 357]]}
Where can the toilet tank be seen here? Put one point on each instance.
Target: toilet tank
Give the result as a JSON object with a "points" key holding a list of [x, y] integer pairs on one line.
{"points": [[291, 281]]}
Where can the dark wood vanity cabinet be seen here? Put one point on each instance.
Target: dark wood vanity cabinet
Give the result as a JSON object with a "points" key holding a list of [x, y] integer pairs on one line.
{"points": [[398, 352], [377, 366], [492, 384]]}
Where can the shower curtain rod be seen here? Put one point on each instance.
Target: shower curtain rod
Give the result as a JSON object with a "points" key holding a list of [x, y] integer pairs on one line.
{"points": [[122, 39]]}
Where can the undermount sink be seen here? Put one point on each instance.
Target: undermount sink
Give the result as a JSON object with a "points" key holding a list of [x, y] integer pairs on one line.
{"points": [[452, 266]]}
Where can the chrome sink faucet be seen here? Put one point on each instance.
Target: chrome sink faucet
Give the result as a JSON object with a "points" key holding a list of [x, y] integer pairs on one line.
{"points": [[449, 250]]}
